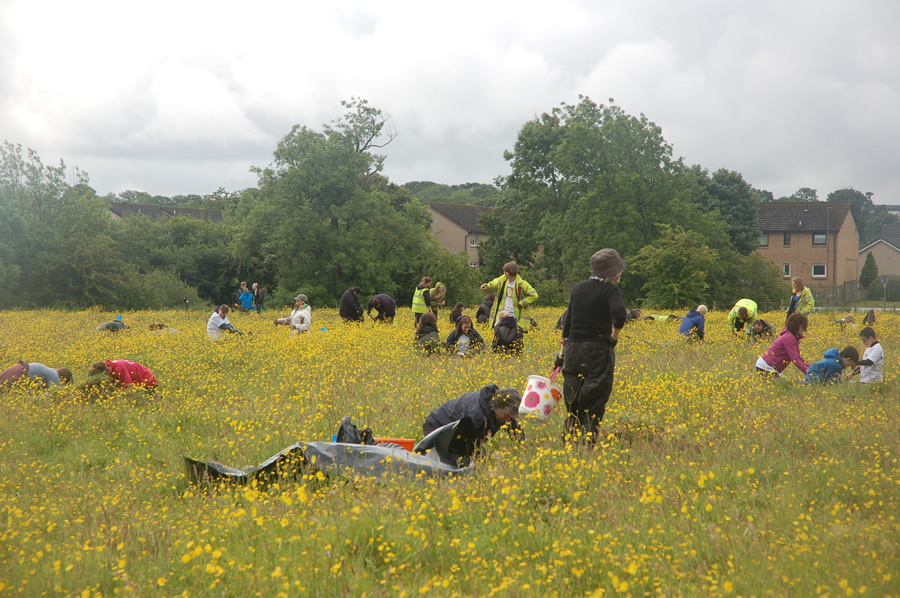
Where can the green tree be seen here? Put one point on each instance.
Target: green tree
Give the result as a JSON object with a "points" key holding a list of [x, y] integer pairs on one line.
{"points": [[869, 217], [869, 271], [324, 218], [727, 192], [675, 268]]}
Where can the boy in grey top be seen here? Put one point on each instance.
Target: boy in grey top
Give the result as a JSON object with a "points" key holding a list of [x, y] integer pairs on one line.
{"points": [[36, 371]]}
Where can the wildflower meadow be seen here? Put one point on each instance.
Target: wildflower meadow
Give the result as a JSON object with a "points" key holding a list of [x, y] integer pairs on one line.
{"points": [[708, 479]]}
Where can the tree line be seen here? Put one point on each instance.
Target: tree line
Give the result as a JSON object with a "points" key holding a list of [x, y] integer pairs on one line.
{"points": [[323, 218]]}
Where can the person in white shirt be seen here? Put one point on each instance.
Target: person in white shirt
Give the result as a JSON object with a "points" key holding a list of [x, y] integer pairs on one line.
{"points": [[871, 366], [300, 318], [218, 323]]}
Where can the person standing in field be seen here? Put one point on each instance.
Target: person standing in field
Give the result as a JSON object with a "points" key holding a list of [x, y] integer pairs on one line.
{"points": [[513, 293], [384, 305], [595, 317], [259, 297], [802, 301], [786, 348], [694, 323], [872, 364], [421, 302], [742, 312]]}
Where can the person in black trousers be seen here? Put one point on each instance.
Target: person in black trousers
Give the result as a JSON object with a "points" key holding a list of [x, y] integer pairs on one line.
{"points": [[591, 330]]}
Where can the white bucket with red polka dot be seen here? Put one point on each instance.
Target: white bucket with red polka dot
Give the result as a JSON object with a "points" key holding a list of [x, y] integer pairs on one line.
{"points": [[540, 398]]}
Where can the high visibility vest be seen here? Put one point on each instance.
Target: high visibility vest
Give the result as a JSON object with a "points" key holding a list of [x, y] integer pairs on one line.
{"points": [[418, 302]]}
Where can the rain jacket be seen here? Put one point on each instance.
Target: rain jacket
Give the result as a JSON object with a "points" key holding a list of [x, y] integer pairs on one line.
{"points": [[246, 300], [524, 295], [474, 405], [785, 350], [429, 340], [827, 370], [692, 325], [804, 304], [733, 314]]}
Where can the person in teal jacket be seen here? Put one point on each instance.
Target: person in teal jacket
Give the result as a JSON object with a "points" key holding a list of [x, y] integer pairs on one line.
{"points": [[802, 301], [513, 293], [829, 370]]}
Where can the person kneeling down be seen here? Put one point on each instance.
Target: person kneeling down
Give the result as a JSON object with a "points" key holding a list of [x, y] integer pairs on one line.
{"points": [[828, 370], [489, 409]]}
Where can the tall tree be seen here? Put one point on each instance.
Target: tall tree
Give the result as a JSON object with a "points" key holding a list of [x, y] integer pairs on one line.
{"points": [[869, 271], [727, 192], [326, 217]]}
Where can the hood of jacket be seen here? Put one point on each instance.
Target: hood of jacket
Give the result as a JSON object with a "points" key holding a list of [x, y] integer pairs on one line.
{"points": [[832, 354]]}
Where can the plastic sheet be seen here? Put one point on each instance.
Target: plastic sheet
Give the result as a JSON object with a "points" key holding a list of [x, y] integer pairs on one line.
{"points": [[445, 451]]}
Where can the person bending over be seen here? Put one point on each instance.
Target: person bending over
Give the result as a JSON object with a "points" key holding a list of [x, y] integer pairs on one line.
{"points": [[829, 370], [786, 348], [35, 372], [489, 409]]}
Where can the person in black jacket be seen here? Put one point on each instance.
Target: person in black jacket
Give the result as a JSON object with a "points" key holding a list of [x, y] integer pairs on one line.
{"points": [[489, 409], [595, 318], [351, 310], [384, 305], [483, 315], [509, 338], [259, 297]]}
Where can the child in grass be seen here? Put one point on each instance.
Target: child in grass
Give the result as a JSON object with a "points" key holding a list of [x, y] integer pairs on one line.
{"points": [[872, 364], [428, 339], [828, 370]]}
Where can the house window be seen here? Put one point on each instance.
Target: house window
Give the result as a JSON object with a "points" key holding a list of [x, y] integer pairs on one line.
{"points": [[787, 270], [819, 239], [764, 240], [787, 239], [474, 241], [818, 271]]}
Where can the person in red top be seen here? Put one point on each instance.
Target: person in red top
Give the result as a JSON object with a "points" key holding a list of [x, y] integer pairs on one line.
{"points": [[125, 373]]}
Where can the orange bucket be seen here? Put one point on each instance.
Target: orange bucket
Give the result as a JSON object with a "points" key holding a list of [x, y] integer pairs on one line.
{"points": [[406, 443]]}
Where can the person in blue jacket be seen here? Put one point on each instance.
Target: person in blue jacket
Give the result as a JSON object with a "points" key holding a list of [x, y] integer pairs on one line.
{"points": [[828, 370], [694, 323], [246, 298]]}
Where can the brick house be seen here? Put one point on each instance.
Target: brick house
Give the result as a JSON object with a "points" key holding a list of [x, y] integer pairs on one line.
{"points": [[456, 227], [817, 241], [886, 251]]}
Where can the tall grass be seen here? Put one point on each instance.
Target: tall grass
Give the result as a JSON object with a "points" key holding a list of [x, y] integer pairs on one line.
{"points": [[708, 480]]}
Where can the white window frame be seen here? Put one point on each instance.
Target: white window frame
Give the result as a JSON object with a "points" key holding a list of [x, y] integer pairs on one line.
{"points": [[824, 271], [474, 241], [786, 269], [766, 237], [823, 243]]}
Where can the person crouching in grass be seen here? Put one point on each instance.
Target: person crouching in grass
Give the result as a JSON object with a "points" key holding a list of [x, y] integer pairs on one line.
{"points": [[786, 348], [829, 370], [110, 375]]}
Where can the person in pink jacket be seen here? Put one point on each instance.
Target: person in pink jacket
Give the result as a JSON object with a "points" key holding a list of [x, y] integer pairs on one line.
{"points": [[786, 348], [125, 373]]}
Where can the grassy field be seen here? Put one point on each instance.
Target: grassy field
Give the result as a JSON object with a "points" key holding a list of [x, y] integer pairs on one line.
{"points": [[709, 481]]}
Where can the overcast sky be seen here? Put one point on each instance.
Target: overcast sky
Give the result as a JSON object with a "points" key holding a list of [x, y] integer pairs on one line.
{"points": [[184, 97]]}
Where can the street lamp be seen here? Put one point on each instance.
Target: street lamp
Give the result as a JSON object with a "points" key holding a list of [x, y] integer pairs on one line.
{"points": [[884, 281]]}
